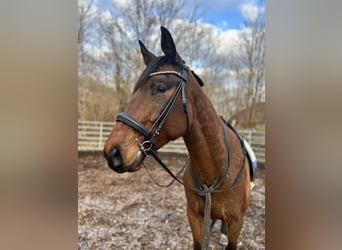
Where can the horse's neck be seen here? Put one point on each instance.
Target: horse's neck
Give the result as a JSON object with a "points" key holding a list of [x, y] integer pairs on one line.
{"points": [[205, 142]]}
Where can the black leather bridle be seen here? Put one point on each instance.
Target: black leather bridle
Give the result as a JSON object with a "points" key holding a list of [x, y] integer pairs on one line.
{"points": [[148, 146]]}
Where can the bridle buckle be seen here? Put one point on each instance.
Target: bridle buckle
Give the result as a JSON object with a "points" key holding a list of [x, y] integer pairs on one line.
{"points": [[145, 147]]}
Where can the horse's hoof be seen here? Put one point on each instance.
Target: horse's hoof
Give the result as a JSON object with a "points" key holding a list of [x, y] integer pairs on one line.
{"points": [[252, 185]]}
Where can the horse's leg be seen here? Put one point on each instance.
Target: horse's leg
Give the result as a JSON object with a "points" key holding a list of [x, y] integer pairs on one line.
{"points": [[234, 228], [224, 232], [196, 224], [223, 228], [212, 224]]}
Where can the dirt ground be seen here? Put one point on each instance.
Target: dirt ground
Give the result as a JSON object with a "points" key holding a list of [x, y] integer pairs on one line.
{"points": [[128, 211]]}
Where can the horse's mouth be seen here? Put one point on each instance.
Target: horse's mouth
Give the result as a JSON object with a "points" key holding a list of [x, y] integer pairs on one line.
{"points": [[116, 163], [135, 164]]}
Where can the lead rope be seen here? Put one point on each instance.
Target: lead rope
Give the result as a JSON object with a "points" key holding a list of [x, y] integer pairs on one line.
{"points": [[207, 218]]}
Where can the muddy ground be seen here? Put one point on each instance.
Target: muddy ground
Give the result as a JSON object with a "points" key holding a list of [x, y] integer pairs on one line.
{"points": [[128, 211]]}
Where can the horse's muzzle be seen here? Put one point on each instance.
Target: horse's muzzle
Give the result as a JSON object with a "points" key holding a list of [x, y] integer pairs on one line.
{"points": [[115, 161]]}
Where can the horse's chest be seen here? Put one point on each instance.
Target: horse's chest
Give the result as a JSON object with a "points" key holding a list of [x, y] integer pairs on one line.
{"points": [[224, 206]]}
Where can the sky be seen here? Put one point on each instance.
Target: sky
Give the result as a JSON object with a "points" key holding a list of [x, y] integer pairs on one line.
{"points": [[224, 14], [227, 16]]}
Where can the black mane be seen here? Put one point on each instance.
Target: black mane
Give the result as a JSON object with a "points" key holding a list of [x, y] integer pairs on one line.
{"points": [[199, 80], [153, 66]]}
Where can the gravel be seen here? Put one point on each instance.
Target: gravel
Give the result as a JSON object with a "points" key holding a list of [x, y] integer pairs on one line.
{"points": [[128, 211]]}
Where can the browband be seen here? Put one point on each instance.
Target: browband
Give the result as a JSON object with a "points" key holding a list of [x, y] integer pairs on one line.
{"points": [[183, 77]]}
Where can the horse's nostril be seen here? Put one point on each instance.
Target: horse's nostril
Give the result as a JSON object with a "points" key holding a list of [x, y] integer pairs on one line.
{"points": [[114, 159]]}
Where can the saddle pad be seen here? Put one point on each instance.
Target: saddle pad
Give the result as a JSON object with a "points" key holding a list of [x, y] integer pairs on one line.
{"points": [[251, 158]]}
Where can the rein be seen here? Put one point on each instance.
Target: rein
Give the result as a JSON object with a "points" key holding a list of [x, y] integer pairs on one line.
{"points": [[148, 147]]}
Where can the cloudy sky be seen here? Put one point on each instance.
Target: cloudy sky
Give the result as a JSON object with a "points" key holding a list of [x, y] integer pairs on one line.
{"points": [[227, 14]]}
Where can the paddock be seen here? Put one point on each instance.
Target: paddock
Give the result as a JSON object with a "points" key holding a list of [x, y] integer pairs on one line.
{"points": [[129, 211]]}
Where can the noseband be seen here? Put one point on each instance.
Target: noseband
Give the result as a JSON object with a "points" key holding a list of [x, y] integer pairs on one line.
{"points": [[148, 145]]}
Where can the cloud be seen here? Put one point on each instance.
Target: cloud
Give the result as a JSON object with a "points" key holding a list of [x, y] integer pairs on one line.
{"points": [[250, 10], [230, 41], [97, 52], [85, 4], [226, 41], [105, 16], [223, 24], [121, 3]]}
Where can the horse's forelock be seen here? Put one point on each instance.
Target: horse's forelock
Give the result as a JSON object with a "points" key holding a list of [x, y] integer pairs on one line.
{"points": [[150, 68], [153, 66]]}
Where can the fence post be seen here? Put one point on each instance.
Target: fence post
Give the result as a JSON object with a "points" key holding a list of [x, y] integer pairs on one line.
{"points": [[250, 137], [100, 136]]}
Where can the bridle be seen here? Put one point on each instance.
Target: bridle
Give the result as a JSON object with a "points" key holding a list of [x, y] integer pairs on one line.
{"points": [[148, 146]]}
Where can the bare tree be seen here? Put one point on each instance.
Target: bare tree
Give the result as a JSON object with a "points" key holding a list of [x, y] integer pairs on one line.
{"points": [[140, 19], [100, 103], [254, 48], [248, 67], [85, 22], [231, 84], [87, 16]]}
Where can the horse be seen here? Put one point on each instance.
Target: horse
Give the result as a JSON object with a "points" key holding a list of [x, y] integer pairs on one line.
{"points": [[167, 103]]}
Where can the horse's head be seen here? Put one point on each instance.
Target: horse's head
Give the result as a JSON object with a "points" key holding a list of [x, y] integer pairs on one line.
{"points": [[159, 110]]}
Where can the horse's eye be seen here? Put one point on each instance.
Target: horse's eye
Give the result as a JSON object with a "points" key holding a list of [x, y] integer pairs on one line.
{"points": [[161, 89]]}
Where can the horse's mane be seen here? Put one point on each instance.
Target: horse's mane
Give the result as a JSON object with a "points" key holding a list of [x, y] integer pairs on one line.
{"points": [[153, 66], [199, 80]]}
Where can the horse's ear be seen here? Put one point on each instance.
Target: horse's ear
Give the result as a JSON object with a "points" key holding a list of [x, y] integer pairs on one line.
{"points": [[147, 55], [169, 48]]}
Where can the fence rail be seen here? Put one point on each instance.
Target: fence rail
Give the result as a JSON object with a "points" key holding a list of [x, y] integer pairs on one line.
{"points": [[93, 134]]}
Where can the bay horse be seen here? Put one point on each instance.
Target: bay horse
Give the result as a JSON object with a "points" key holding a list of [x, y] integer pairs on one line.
{"points": [[167, 103]]}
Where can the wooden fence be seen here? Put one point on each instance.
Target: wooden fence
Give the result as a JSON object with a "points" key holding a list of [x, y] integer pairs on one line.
{"points": [[93, 134]]}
